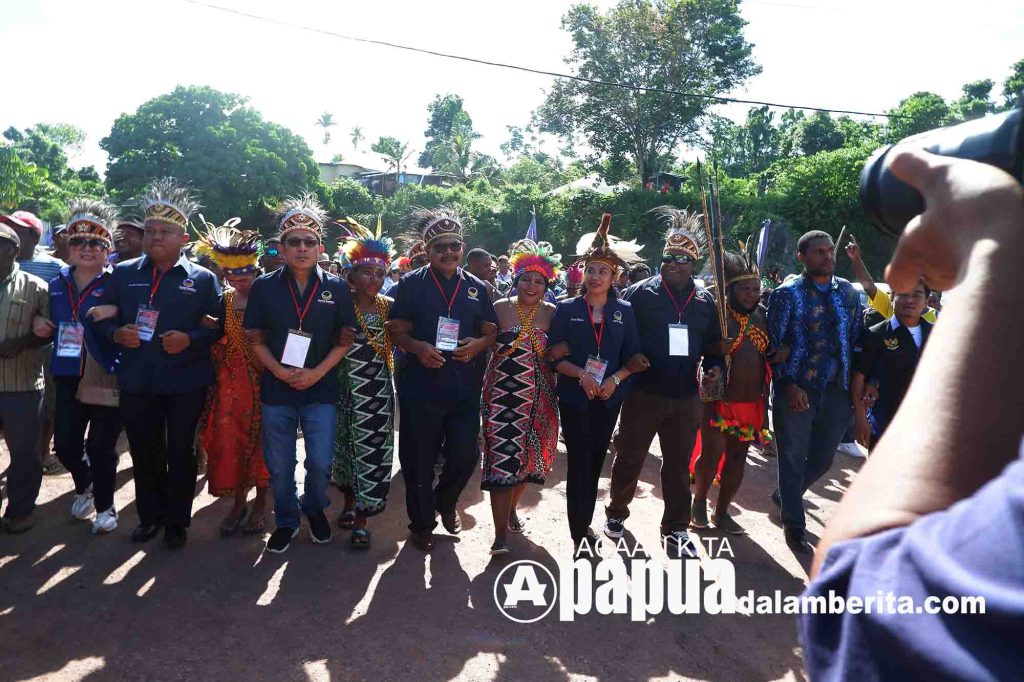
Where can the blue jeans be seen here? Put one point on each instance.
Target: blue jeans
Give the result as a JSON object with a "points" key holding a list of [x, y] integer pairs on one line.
{"points": [[280, 426], [807, 443]]}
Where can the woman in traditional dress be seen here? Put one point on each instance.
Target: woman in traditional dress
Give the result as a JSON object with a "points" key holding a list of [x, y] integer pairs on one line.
{"points": [[520, 417], [230, 430], [604, 351], [364, 440]]}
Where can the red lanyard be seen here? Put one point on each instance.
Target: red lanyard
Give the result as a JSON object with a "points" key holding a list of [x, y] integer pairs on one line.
{"points": [[155, 286], [76, 301], [679, 311], [450, 301], [593, 325], [295, 300]]}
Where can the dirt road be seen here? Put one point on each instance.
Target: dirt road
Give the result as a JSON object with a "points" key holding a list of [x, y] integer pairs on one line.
{"points": [[74, 606]]}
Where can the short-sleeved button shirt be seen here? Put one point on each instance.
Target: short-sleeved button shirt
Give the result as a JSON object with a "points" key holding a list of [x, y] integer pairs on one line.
{"points": [[183, 296], [419, 300], [272, 309]]}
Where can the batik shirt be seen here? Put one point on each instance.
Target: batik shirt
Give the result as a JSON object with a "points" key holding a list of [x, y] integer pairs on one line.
{"points": [[821, 328]]}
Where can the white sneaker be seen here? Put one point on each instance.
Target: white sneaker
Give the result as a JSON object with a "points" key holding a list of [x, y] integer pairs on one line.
{"points": [[83, 505], [105, 522], [851, 450]]}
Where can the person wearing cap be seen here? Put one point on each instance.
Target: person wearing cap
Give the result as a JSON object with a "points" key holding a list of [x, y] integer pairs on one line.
{"points": [[504, 276], [128, 237], [83, 363], [23, 296], [162, 300], [678, 324], [604, 351], [391, 280], [300, 323], [444, 321], [60, 242]]}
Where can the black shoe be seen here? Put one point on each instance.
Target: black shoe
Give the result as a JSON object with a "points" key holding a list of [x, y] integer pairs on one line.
{"points": [[319, 529], [280, 539], [452, 522], [423, 541], [145, 532], [614, 528], [175, 537], [797, 541], [679, 544], [777, 498]]}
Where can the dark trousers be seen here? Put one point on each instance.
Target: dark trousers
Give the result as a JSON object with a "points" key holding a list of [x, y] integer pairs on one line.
{"points": [[162, 438], [93, 461], [21, 419], [676, 421], [423, 424], [587, 433], [807, 443]]}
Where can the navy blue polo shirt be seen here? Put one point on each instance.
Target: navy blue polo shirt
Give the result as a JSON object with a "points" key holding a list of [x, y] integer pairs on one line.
{"points": [[620, 341], [272, 310], [185, 294], [419, 301], [673, 376], [102, 349]]}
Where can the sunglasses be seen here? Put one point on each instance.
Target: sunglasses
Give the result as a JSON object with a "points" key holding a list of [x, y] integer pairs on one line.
{"points": [[296, 242], [447, 246], [272, 251], [680, 260], [80, 243]]}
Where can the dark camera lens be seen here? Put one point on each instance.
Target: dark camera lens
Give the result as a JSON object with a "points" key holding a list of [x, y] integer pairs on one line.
{"points": [[995, 140]]}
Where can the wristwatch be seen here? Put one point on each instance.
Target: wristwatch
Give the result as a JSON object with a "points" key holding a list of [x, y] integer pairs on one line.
{"points": [[615, 378]]}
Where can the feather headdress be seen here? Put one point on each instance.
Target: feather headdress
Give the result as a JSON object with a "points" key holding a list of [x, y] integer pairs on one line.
{"points": [[169, 201], [236, 251], [91, 219], [603, 246], [432, 224], [574, 275], [365, 247], [685, 232], [743, 265], [530, 256], [304, 212]]}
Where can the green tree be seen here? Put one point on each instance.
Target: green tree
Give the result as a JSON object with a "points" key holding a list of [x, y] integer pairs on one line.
{"points": [[20, 182], [918, 113], [236, 160], [394, 152], [976, 100], [678, 45], [1013, 86], [447, 119], [357, 136], [326, 122], [818, 133]]}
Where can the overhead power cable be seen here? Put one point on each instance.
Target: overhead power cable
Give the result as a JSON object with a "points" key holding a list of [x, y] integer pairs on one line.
{"points": [[541, 72]]}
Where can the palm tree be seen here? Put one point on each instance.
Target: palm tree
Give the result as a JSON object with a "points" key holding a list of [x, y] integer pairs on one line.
{"points": [[326, 121], [393, 151], [459, 159], [357, 137]]}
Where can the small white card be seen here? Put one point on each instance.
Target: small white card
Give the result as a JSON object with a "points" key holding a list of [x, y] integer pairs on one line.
{"points": [[678, 340], [596, 367], [296, 348], [145, 321], [70, 336], [447, 333]]}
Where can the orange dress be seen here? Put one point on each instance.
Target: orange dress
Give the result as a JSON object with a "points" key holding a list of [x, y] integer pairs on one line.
{"points": [[231, 425]]}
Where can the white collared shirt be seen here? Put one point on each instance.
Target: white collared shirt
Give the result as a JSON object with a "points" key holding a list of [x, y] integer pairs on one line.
{"points": [[915, 331]]}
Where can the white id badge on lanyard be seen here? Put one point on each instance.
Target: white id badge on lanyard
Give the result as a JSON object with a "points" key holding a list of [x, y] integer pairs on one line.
{"points": [[70, 336], [596, 367], [296, 348], [678, 340], [145, 321], [447, 333]]}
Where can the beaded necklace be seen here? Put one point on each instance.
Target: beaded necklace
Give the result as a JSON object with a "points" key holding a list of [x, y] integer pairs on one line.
{"points": [[526, 331], [381, 343]]}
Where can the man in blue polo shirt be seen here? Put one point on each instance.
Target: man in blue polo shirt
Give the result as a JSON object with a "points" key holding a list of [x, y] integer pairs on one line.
{"points": [[165, 367], [300, 322], [443, 320], [678, 325]]}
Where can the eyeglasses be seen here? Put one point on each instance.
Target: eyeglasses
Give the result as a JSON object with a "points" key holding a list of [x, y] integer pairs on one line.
{"points": [[447, 246], [295, 242], [81, 243], [680, 260]]}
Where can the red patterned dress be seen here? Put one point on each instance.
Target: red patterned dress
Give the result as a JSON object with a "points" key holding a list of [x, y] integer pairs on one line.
{"points": [[230, 428], [520, 412]]}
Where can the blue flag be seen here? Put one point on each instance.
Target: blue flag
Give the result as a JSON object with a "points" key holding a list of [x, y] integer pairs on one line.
{"points": [[531, 231]]}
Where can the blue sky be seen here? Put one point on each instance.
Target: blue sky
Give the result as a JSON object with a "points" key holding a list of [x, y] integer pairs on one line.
{"points": [[87, 62]]}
